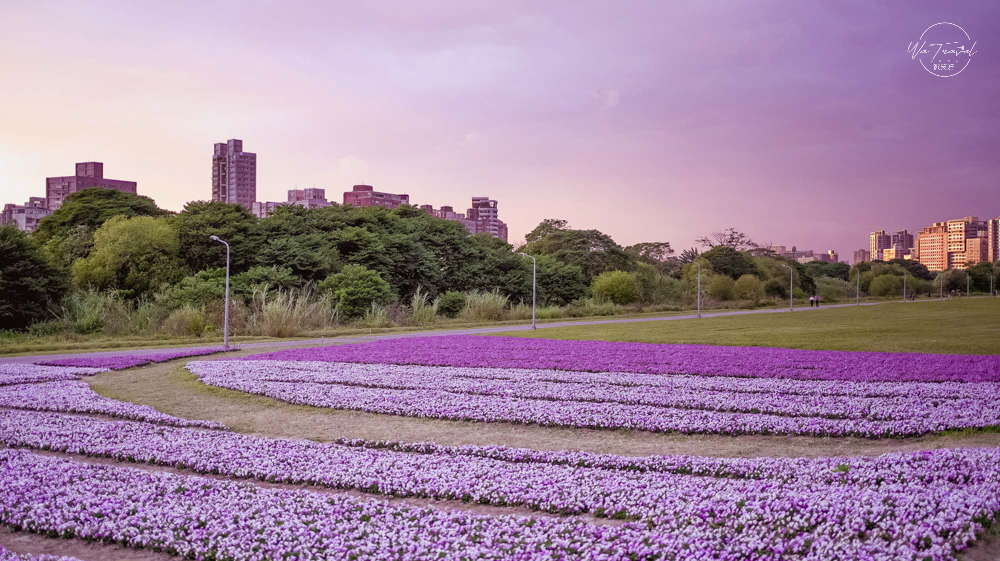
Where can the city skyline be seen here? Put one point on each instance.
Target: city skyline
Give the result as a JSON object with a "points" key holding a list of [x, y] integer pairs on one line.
{"points": [[800, 126]]}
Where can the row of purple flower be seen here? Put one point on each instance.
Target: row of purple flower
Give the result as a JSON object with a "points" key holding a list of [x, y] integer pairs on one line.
{"points": [[602, 356], [518, 396], [899, 506]]}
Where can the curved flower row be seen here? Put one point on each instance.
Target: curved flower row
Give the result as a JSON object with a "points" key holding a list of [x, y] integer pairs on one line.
{"points": [[77, 397], [200, 518], [602, 356], [962, 404], [7, 555], [17, 373], [470, 395], [659, 490], [121, 362]]}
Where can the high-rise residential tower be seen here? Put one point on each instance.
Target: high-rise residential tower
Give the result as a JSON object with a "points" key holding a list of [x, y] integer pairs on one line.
{"points": [[956, 244], [234, 174]]}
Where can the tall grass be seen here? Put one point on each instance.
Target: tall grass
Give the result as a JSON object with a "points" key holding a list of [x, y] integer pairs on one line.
{"points": [[484, 306], [423, 311], [284, 313]]}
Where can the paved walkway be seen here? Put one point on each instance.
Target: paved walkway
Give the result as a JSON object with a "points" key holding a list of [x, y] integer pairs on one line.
{"points": [[434, 333]]}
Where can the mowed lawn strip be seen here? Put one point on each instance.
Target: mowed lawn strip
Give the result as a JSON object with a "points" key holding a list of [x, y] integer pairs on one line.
{"points": [[957, 326], [171, 389]]}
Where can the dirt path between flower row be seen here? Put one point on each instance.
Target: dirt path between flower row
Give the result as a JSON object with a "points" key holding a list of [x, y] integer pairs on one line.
{"points": [[171, 389]]}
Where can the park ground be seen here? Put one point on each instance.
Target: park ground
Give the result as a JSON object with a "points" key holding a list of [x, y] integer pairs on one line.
{"points": [[967, 326]]}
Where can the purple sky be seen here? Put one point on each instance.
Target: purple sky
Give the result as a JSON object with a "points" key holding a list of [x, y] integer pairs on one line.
{"points": [[799, 123]]}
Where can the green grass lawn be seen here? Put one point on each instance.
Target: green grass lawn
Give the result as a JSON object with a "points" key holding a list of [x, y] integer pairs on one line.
{"points": [[965, 326]]}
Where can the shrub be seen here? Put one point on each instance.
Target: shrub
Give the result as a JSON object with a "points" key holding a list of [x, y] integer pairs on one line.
{"points": [[750, 288], [617, 287], [354, 289], [775, 288], [721, 287], [484, 306], [186, 320], [451, 303], [588, 307], [833, 289], [887, 285]]}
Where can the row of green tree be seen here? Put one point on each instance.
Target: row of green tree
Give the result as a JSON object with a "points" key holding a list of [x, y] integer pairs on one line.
{"points": [[106, 241]]}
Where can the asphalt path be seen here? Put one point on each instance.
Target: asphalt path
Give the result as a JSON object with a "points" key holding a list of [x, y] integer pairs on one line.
{"points": [[433, 333]]}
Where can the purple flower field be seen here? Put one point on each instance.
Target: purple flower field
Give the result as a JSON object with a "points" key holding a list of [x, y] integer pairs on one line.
{"points": [[705, 360], [928, 504], [658, 403], [333, 499], [121, 362]]}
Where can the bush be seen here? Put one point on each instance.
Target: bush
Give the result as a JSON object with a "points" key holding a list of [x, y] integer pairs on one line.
{"points": [[484, 306], [750, 288], [886, 286], [354, 289], [721, 287], [589, 307], [186, 320], [377, 316], [776, 289], [617, 287], [450, 304], [284, 313], [833, 289]]}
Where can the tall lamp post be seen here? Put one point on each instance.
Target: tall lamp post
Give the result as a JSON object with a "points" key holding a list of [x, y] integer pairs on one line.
{"points": [[225, 328], [534, 266], [904, 286], [791, 286], [699, 287]]}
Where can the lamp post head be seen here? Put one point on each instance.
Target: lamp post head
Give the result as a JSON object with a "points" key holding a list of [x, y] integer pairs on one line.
{"points": [[214, 238]]}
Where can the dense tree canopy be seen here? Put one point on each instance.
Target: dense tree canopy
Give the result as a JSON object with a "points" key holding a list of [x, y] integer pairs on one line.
{"points": [[591, 250], [134, 256], [231, 222], [67, 234], [730, 262], [29, 286]]}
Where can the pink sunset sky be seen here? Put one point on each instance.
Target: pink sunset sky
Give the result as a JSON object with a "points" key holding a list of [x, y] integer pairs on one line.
{"points": [[800, 123]]}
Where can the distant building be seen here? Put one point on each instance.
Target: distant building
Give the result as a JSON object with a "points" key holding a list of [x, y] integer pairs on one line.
{"points": [[88, 175], [234, 174], [365, 195], [795, 253], [309, 198], [902, 241], [957, 244], [862, 256], [877, 242], [263, 210], [25, 217], [482, 218]]}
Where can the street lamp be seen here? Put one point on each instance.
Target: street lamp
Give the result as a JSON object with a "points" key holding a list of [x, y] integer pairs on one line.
{"points": [[904, 286], [225, 328], [534, 265], [699, 287], [791, 285]]}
